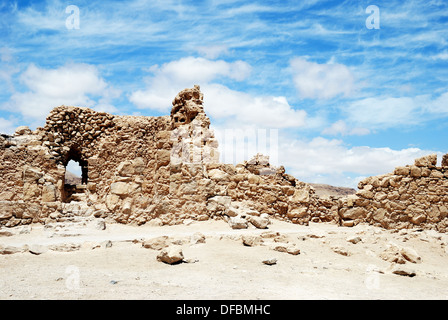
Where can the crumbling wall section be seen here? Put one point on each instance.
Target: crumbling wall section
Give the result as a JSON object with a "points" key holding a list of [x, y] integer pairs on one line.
{"points": [[166, 169], [413, 196]]}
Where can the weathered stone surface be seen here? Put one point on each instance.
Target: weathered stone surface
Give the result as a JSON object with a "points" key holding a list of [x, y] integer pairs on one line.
{"points": [[37, 249], [427, 161], [354, 213], [157, 243], [398, 254], [252, 240], [258, 222], [22, 130], [270, 261], [445, 160], [171, 255], [401, 171], [238, 223], [9, 250]]}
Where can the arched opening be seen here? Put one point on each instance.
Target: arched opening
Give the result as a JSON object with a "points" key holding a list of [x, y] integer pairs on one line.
{"points": [[76, 176], [73, 173]]}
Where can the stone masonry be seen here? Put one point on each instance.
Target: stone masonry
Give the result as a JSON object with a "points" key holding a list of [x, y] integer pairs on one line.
{"points": [[166, 169]]}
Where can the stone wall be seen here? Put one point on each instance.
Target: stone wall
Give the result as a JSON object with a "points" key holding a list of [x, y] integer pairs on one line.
{"points": [[166, 170], [412, 196]]}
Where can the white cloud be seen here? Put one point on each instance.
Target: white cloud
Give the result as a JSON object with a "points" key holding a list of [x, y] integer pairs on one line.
{"points": [[387, 112], [441, 56], [170, 78], [321, 81], [7, 126], [7, 67], [71, 84], [243, 109], [383, 112], [212, 51], [341, 128], [330, 161], [234, 108]]}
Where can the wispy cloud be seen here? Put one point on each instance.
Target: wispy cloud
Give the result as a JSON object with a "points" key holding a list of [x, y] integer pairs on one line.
{"points": [[71, 84]]}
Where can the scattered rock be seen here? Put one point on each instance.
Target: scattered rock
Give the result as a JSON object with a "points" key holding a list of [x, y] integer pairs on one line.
{"points": [[37, 249], [65, 247], [196, 238], [398, 254], [238, 223], [270, 261], [100, 224], [9, 249], [341, 251], [171, 255], [157, 243], [251, 240], [107, 244], [4, 233], [190, 260], [286, 247], [398, 270], [354, 239], [258, 222]]}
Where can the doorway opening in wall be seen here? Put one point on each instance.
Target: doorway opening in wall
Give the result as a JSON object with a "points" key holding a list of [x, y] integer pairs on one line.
{"points": [[76, 177], [73, 173]]}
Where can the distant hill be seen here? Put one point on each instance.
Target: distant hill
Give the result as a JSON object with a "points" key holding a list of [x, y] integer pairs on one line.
{"points": [[71, 178], [327, 190]]}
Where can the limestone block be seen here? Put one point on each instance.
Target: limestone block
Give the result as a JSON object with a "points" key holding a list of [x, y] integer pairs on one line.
{"points": [[30, 191], [112, 202], [445, 160], [402, 171], [31, 174], [415, 172], [297, 212], [258, 222], [238, 223], [171, 255], [301, 195], [427, 161], [49, 193], [218, 175], [353, 213]]}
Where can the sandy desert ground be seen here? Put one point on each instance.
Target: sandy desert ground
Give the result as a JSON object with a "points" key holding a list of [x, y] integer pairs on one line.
{"points": [[79, 261]]}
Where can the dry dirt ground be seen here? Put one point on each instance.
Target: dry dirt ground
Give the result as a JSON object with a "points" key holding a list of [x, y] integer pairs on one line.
{"points": [[80, 261]]}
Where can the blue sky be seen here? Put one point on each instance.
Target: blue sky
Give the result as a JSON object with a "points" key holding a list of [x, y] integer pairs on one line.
{"points": [[348, 101]]}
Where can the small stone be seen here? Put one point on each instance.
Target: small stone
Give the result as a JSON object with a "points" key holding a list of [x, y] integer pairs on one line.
{"points": [[171, 255], [100, 225], [258, 222], [107, 244], [354, 239], [341, 251], [238, 223], [251, 240], [398, 270], [157, 243], [270, 261], [197, 238], [37, 249]]}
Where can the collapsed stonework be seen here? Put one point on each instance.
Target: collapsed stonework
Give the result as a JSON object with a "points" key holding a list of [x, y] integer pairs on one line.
{"points": [[137, 169]]}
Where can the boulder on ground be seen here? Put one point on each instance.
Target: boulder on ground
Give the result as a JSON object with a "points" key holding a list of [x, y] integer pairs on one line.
{"points": [[171, 255]]}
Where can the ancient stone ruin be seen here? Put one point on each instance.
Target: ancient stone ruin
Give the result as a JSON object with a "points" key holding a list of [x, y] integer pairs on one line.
{"points": [[137, 169]]}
